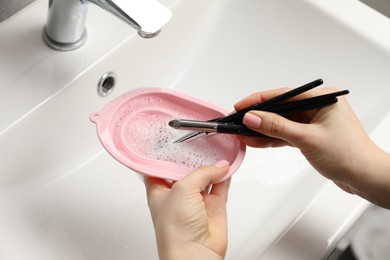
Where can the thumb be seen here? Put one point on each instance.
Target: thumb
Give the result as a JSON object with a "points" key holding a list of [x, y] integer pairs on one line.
{"points": [[274, 125], [204, 175]]}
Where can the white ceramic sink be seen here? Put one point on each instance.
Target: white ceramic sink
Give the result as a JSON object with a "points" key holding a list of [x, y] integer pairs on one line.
{"points": [[382, 6], [63, 197]]}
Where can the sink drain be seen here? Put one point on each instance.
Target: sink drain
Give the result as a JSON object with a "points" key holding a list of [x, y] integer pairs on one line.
{"points": [[106, 84]]}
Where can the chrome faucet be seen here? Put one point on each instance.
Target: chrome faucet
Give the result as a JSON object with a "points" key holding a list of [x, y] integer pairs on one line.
{"points": [[65, 26]]}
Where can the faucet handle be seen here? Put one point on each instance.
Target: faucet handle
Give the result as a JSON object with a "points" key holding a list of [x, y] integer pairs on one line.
{"points": [[146, 16]]}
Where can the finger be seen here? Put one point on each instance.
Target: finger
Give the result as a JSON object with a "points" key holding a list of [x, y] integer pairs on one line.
{"points": [[260, 142], [344, 187], [152, 184], [156, 188], [221, 189], [197, 180], [276, 126]]}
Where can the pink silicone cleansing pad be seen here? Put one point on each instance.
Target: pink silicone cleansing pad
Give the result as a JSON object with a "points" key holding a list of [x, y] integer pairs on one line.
{"points": [[134, 129]]}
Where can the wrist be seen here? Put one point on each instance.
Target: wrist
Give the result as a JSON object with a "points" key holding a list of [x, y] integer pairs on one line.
{"points": [[359, 163], [376, 185], [370, 176]]}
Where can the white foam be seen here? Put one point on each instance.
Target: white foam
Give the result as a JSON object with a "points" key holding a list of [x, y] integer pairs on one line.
{"points": [[149, 136]]}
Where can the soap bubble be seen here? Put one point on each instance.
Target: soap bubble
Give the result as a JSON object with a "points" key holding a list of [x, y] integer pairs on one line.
{"points": [[149, 136]]}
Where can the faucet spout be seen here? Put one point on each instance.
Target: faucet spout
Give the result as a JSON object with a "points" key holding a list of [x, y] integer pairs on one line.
{"points": [[146, 16], [65, 26]]}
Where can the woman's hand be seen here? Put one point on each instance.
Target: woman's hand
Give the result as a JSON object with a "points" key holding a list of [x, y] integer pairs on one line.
{"points": [[190, 223], [332, 140]]}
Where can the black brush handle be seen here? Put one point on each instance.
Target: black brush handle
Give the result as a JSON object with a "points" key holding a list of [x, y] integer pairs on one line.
{"points": [[231, 128], [302, 108], [237, 117], [226, 128], [313, 101]]}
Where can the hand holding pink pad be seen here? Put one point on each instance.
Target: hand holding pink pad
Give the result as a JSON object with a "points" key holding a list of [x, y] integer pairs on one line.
{"points": [[134, 129]]}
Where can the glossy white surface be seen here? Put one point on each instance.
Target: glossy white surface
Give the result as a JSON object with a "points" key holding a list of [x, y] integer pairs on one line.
{"points": [[151, 15], [382, 6], [63, 197]]}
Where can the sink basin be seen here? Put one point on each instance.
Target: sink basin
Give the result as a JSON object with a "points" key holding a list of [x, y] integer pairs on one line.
{"points": [[64, 197], [381, 6]]}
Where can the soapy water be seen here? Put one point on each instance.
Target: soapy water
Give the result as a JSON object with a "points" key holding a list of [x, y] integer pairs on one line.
{"points": [[148, 135]]}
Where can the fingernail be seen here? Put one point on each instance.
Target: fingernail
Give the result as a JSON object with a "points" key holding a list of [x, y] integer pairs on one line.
{"points": [[222, 163], [251, 120]]}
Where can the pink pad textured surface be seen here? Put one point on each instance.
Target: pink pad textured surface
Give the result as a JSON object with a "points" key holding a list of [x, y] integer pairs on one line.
{"points": [[134, 129]]}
